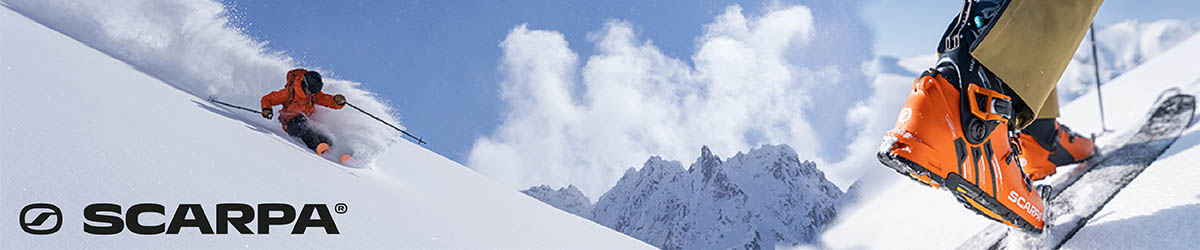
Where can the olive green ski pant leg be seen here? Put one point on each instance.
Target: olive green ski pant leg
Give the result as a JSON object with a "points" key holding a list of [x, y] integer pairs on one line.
{"points": [[1031, 44]]}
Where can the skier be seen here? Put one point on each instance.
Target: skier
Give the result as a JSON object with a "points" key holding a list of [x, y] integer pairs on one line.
{"points": [[303, 89], [981, 122]]}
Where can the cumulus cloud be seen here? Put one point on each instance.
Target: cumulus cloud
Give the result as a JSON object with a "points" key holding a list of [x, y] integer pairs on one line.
{"points": [[790, 75]]}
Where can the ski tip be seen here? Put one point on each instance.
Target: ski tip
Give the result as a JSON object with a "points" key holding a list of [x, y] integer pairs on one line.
{"points": [[322, 148], [345, 158]]}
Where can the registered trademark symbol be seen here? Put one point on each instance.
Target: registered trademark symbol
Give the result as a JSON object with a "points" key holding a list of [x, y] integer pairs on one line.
{"points": [[340, 208]]}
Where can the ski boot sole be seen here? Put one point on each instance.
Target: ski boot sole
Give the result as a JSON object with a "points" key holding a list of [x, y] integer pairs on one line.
{"points": [[968, 195]]}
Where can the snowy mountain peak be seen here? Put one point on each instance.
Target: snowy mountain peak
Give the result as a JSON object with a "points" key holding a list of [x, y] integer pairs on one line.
{"points": [[658, 166], [707, 163], [568, 199], [761, 198], [705, 152]]}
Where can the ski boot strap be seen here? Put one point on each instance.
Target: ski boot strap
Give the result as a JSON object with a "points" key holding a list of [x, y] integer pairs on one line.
{"points": [[989, 105]]}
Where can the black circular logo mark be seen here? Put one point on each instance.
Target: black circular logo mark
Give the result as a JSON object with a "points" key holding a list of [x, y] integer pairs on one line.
{"points": [[39, 221], [340, 208]]}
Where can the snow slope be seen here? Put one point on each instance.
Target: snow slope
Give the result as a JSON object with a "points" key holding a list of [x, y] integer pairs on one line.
{"points": [[80, 127], [191, 45], [1159, 209]]}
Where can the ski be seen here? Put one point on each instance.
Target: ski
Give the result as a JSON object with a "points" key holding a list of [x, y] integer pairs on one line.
{"points": [[343, 159], [323, 149], [1073, 200]]}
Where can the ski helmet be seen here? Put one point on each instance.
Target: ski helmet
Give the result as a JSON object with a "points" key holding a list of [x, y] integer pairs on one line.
{"points": [[312, 82]]}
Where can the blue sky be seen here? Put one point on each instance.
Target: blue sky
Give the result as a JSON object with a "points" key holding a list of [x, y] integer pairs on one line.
{"points": [[436, 61]]}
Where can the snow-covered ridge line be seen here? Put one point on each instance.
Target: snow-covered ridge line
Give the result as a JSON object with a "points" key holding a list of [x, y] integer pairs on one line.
{"points": [[764, 198], [568, 199], [192, 45]]}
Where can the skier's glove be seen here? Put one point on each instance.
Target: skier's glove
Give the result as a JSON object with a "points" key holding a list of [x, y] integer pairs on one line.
{"points": [[267, 113], [339, 99]]}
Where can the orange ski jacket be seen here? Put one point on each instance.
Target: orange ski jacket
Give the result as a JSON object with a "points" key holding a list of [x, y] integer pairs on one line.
{"points": [[295, 101]]}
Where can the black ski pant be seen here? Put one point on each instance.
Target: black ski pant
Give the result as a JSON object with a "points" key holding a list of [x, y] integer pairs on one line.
{"points": [[298, 127]]}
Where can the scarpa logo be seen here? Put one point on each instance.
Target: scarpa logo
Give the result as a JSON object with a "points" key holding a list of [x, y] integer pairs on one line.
{"points": [[109, 218], [36, 224]]}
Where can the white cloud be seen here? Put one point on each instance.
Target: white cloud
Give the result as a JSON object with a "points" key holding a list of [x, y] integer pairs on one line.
{"points": [[786, 76], [876, 115], [918, 63]]}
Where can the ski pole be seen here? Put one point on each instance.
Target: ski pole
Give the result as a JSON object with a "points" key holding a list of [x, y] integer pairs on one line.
{"points": [[1096, 62], [386, 123], [234, 106]]}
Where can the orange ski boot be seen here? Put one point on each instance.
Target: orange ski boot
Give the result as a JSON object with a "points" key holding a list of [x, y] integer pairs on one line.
{"points": [[955, 130], [1047, 144], [959, 139]]}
